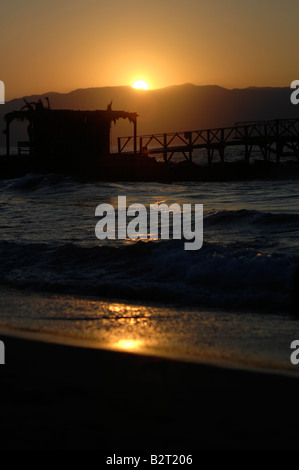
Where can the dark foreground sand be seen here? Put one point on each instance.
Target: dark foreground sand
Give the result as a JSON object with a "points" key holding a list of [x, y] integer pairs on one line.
{"points": [[55, 396]]}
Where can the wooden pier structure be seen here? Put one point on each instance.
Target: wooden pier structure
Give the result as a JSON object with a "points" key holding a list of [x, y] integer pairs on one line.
{"points": [[278, 137]]}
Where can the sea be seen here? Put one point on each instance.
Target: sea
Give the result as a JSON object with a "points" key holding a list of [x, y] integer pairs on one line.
{"points": [[229, 302]]}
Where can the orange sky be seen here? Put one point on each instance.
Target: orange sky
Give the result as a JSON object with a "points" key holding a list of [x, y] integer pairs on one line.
{"points": [[65, 45]]}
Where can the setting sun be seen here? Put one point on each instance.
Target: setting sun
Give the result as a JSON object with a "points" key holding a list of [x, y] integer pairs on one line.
{"points": [[140, 85], [128, 344]]}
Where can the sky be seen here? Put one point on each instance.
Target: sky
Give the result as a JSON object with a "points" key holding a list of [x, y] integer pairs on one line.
{"points": [[65, 45]]}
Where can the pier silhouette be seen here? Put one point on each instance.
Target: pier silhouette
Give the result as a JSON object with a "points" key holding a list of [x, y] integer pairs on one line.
{"points": [[79, 143], [278, 137]]}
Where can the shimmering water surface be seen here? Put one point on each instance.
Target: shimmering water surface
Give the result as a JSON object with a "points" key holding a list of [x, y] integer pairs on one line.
{"points": [[234, 291]]}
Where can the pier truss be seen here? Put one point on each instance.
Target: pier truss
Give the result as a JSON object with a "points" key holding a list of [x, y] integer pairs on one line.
{"points": [[278, 137]]}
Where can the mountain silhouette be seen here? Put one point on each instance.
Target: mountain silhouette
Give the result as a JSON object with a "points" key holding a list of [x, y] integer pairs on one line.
{"points": [[175, 108]]}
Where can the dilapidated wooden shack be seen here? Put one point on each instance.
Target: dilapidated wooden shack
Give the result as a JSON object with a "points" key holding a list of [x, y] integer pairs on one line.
{"points": [[65, 133]]}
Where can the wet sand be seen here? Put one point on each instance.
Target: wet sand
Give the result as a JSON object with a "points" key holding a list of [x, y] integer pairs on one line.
{"points": [[77, 397], [245, 339]]}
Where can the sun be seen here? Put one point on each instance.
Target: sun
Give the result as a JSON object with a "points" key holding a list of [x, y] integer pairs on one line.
{"points": [[140, 85]]}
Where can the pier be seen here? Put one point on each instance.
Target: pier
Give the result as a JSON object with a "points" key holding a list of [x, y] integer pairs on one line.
{"points": [[78, 143], [278, 137]]}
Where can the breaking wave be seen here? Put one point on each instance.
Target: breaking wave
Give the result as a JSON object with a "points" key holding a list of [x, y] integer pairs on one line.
{"points": [[215, 276]]}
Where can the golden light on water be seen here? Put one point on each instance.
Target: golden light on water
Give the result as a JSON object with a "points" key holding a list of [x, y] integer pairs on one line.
{"points": [[140, 85]]}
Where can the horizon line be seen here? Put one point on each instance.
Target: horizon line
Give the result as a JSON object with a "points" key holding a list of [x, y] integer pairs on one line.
{"points": [[145, 91]]}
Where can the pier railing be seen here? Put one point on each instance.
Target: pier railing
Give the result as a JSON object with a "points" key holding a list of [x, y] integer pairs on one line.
{"points": [[270, 136]]}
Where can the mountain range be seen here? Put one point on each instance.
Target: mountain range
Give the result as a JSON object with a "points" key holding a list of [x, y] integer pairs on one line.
{"points": [[175, 108]]}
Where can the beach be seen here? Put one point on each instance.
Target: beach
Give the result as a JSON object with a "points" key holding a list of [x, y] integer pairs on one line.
{"points": [[77, 397], [149, 229]]}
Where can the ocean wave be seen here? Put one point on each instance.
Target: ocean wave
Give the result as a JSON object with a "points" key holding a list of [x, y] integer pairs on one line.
{"points": [[215, 276], [250, 217], [32, 182]]}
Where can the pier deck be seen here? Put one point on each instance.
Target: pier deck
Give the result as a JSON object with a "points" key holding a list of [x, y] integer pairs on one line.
{"points": [[279, 137]]}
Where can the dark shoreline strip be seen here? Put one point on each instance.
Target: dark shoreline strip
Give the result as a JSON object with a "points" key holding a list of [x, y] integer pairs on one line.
{"points": [[56, 396]]}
